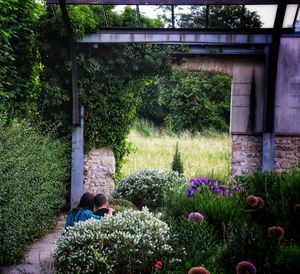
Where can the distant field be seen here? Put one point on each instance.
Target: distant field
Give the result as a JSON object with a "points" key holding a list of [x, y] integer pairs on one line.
{"points": [[201, 155]]}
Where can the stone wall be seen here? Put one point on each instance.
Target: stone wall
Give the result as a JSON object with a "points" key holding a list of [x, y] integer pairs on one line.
{"points": [[287, 153], [246, 154], [99, 169]]}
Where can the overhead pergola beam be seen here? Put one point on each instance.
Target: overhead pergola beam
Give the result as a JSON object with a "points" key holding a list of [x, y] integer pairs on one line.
{"points": [[173, 2], [175, 37]]}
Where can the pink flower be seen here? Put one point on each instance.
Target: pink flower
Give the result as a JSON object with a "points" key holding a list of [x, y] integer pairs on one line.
{"points": [[196, 216], [252, 201], [255, 201], [245, 267], [198, 270], [158, 265], [261, 202], [276, 231], [297, 209]]}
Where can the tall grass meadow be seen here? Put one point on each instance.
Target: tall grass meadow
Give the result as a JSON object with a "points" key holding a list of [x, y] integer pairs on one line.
{"points": [[205, 154]]}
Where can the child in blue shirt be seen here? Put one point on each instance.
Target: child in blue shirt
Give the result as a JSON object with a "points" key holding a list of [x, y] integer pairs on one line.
{"points": [[83, 212]]}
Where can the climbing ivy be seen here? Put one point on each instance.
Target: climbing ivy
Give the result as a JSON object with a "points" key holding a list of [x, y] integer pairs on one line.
{"points": [[111, 77], [19, 59]]}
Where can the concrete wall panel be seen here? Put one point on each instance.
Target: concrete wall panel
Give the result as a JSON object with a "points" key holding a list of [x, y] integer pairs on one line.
{"points": [[287, 112]]}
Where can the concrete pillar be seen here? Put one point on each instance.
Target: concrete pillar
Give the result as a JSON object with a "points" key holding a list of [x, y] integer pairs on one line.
{"points": [[77, 162]]}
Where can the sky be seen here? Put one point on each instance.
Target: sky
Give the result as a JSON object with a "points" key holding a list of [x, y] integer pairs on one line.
{"points": [[266, 12]]}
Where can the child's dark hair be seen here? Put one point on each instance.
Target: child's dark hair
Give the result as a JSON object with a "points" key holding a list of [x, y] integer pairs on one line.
{"points": [[87, 201], [100, 200]]}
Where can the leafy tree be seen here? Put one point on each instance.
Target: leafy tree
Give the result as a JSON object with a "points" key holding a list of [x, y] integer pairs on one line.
{"points": [[196, 100], [220, 16], [19, 59]]}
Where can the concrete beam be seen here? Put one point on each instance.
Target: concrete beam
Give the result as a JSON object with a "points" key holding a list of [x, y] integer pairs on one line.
{"points": [[175, 37], [172, 2]]}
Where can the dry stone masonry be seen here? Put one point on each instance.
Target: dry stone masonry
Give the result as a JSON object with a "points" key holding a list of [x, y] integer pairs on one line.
{"points": [[99, 169], [246, 154], [287, 153]]}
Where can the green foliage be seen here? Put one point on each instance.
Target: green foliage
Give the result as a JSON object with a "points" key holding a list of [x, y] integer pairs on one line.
{"points": [[19, 66], [177, 164], [220, 16], [147, 187], [196, 100], [220, 211], [110, 78], [149, 107], [130, 242], [287, 259], [195, 242], [249, 242], [33, 169], [280, 194], [121, 204], [148, 129]]}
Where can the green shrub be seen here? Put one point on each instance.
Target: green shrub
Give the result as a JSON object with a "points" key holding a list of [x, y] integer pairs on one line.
{"points": [[147, 187], [287, 259], [280, 194], [130, 242], [249, 242], [121, 204], [195, 242], [220, 211], [177, 164], [33, 167]]}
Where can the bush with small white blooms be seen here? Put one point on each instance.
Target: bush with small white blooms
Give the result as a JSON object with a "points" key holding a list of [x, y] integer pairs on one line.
{"points": [[147, 187], [130, 242]]}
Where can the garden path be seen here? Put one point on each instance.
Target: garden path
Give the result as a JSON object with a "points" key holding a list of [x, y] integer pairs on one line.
{"points": [[38, 259]]}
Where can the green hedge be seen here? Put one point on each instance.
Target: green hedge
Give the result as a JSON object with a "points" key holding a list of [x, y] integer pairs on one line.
{"points": [[33, 169]]}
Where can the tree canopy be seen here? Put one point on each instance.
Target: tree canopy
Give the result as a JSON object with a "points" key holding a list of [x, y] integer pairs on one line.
{"points": [[219, 16]]}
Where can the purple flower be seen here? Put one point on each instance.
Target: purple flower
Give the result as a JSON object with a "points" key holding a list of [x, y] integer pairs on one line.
{"points": [[204, 180], [196, 181], [196, 216], [211, 181], [217, 189], [191, 191]]}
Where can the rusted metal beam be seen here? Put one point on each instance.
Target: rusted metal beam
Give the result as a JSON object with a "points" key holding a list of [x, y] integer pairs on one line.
{"points": [[174, 37], [173, 2]]}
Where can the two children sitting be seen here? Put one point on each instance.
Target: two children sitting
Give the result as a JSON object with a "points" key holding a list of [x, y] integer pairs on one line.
{"points": [[90, 206]]}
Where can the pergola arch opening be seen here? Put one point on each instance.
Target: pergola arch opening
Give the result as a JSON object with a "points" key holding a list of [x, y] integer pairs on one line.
{"points": [[262, 45]]}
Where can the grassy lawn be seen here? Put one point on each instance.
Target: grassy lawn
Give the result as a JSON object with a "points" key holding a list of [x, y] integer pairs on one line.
{"points": [[202, 155]]}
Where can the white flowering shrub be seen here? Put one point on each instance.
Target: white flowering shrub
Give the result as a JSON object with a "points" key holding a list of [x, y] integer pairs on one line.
{"points": [[147, 187], [130, 242]]}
